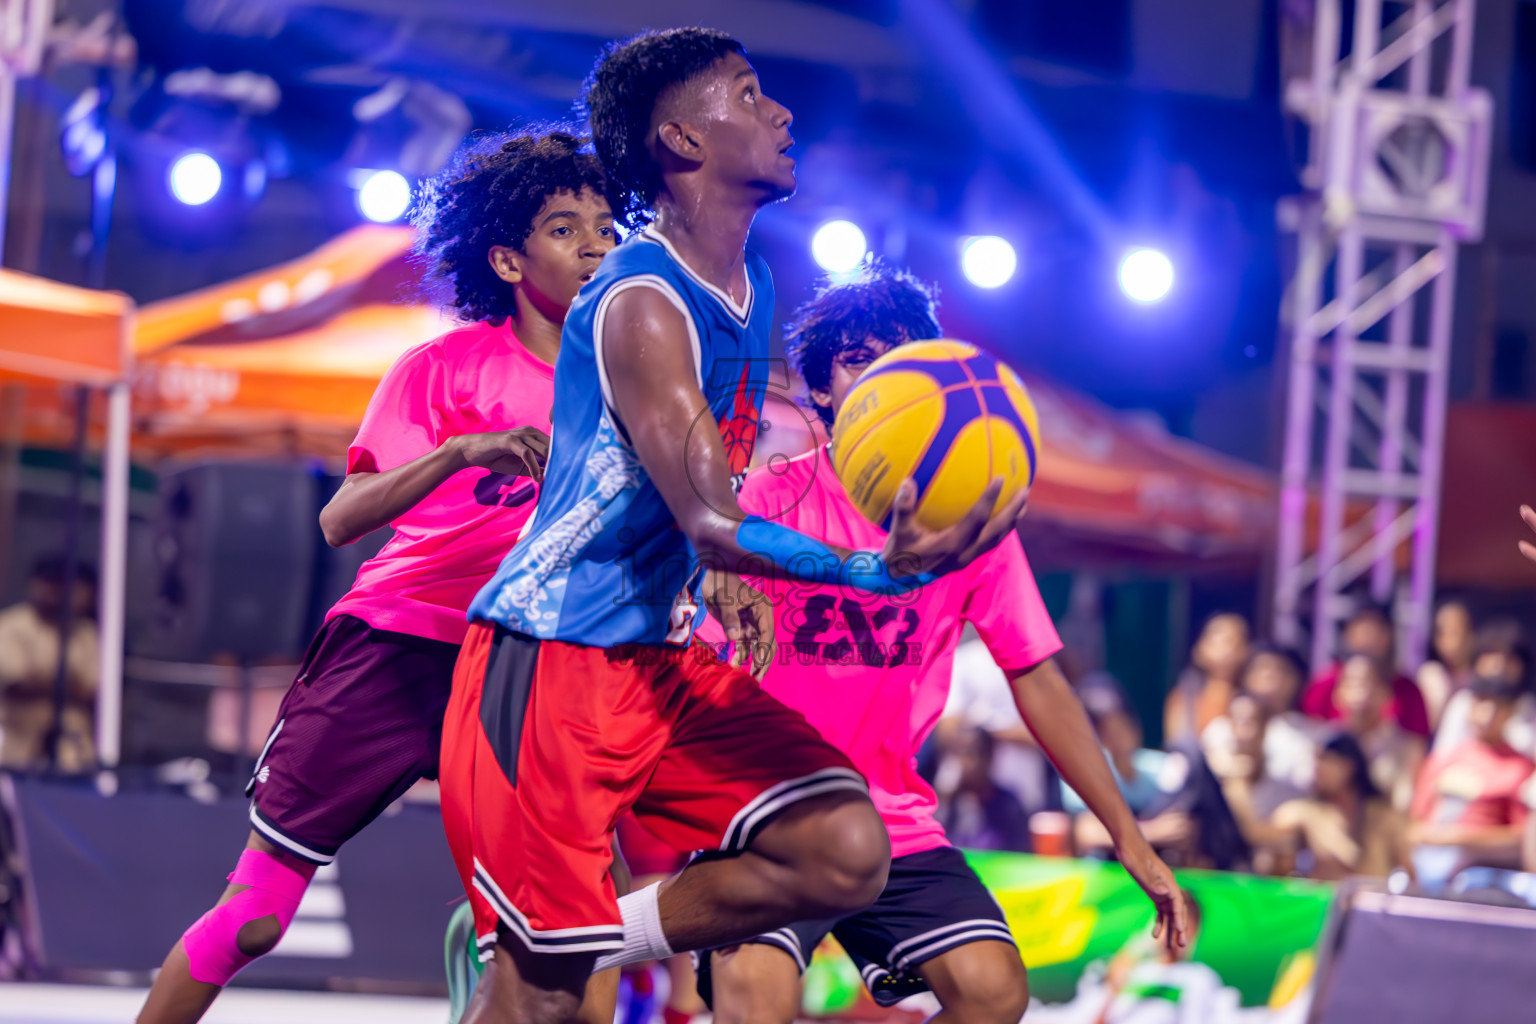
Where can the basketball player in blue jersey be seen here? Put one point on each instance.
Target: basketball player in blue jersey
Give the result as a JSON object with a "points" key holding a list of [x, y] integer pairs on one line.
{"points": [[578, 695]]}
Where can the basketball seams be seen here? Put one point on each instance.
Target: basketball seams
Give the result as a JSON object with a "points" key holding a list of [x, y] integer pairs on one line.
{"points": [[981, 403], [949, 373], [977, 388], [842, 460]]}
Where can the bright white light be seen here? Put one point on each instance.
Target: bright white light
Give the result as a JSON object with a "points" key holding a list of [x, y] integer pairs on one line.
{"points": [[838, 246], [1146, 275], [988, 261], [384, 197], [195, 178]]}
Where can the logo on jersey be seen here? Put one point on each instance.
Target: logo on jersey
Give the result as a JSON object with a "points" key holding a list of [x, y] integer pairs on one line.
{"points": [[739, 430], [264, 774], [505, 489]]}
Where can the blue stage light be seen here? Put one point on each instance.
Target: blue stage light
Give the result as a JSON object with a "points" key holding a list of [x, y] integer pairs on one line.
{"points": [[988, 261], [384, 196], [195, 178], [838, 246], [1146, 275]]}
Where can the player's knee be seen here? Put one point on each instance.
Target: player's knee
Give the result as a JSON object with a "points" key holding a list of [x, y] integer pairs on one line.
{"points": [[854, 857], [251, 922], [996, 992], [261, 936]]}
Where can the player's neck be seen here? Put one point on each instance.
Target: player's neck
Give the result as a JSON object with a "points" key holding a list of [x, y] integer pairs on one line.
{"points": [[538, 330], [710, 237]]}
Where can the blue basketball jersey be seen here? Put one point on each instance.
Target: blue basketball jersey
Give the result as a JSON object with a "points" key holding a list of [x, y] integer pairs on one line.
{"points": [[602, 562]]}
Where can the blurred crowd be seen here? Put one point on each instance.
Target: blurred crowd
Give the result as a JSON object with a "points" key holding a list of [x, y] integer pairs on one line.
{"points": [[1357, 770]]}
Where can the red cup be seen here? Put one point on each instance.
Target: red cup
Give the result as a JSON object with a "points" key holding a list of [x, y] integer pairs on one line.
{"points": [[1051, 832]]}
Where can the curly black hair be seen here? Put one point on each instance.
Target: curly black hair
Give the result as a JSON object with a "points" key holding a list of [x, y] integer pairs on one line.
{"points": [[880, 304], [488, 195], [619, 99]]}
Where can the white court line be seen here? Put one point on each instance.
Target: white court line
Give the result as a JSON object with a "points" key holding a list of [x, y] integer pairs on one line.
{"points": [[101, 1004]]}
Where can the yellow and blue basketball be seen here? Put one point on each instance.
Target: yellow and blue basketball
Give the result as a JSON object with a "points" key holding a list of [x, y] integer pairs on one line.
{"points": [[945, 414]]}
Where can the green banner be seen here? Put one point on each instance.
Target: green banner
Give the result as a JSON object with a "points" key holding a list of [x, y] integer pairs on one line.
{"points": [[1257, 933]]}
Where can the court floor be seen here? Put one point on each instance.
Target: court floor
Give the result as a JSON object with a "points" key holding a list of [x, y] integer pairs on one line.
{"points": [[100, 1004]]}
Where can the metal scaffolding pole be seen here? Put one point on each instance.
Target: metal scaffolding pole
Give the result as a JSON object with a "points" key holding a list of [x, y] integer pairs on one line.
{"points": [[23, 34], [1396, 172]]}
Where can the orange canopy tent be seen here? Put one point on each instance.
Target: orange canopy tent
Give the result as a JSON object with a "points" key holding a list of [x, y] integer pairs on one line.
{"points": [[287, 358], [1110, 490], [53, 333], [284, 359]]}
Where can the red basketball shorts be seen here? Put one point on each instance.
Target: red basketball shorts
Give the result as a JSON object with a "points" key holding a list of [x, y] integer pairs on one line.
{"points": [[546, 744]]}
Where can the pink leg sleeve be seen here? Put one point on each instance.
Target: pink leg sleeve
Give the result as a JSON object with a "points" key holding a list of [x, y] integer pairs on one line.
{"points": [[213, 952]]}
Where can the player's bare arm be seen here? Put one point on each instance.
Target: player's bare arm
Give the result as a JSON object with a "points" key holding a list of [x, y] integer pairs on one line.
{"points": [[369, 499], [1050, 707], [655, 388]]}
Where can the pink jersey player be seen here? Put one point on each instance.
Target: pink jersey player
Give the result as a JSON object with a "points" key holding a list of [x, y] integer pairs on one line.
{"points": [[449, 544], [448, 454], [872, 674]]}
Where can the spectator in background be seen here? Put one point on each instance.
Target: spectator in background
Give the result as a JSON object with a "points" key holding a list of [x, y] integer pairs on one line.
{"points": [[1361, 699], [1207, 685], [1471, 803], [1449, 667], [1346, 827], [1250, 791], [1143, 775], [29, 664], [981, 698], [977, 813], [1369, 631], [1499, 651], [1272, 677]]}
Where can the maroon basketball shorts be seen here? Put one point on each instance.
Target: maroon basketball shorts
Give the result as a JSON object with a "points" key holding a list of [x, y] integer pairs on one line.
{"points": [[362, 722]]}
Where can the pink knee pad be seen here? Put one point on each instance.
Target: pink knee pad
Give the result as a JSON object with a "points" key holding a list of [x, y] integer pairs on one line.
{"points": [[213, 954]]}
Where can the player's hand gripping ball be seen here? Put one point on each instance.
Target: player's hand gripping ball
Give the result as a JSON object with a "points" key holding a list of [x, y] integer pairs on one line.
{"points": [[945, 414]]}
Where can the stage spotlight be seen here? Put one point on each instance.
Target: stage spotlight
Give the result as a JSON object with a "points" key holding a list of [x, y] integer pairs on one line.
{"points": [[838, 246], [988, 261], [1146, 275], [195, 178], [384, 196]]}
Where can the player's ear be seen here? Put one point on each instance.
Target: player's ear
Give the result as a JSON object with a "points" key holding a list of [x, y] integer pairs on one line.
{"points": [[820, 399], [682, 140], [507, 262]]}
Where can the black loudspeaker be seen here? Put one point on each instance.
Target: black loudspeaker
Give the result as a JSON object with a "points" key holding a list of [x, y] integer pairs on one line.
{"points": [[1408, 959], [235, 559]]}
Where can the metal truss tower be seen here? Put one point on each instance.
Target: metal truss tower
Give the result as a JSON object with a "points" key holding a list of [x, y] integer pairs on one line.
{"points": [[1396, 179]]}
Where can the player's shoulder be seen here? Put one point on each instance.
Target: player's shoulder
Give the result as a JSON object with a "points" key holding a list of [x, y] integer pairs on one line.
{"points": [[639, 254], [783, 474], [453, 346], [638, 262], [1007, 557]]}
